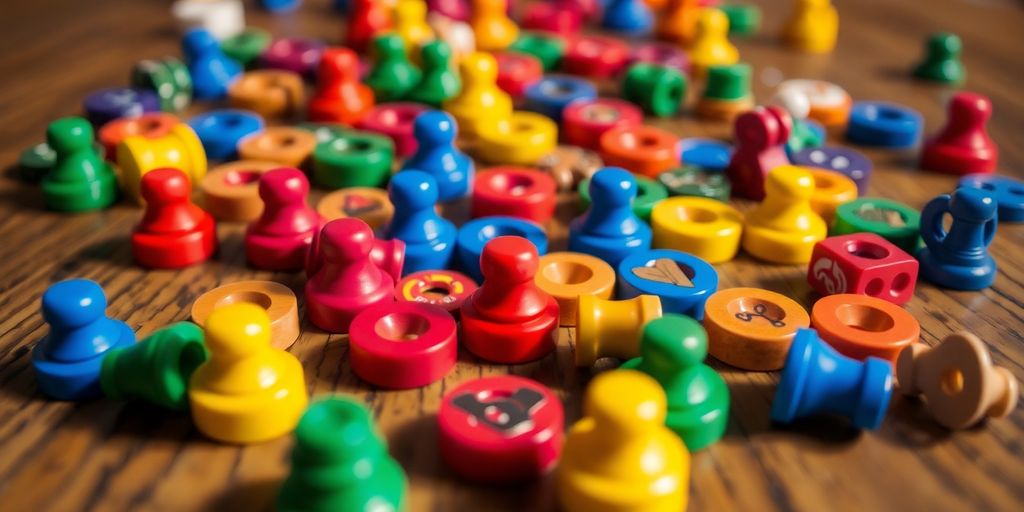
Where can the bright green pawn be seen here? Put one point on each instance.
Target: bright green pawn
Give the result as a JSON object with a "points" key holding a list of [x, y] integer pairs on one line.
{"points": [[340, 463], [156, 369], [440, 82], [672, 351], [80, 180], [942, 60], [392, 77]]}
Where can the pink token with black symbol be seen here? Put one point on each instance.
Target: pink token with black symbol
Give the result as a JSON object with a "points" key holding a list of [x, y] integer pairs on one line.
{"points": [[394, 120], [500, 429], [402, 345], [443, 288]]}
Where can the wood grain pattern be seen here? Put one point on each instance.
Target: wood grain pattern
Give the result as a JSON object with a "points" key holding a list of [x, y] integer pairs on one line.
{"points": [[110, 456]]}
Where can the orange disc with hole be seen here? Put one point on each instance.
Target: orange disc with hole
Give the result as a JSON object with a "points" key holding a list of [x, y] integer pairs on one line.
{"points": [[150, 125], [231, 191], [371, 205], [567, 275], [859, 326], [271, 93], [286, 145], [751, 328], [831, 189], [276, 298], [640, 149]]}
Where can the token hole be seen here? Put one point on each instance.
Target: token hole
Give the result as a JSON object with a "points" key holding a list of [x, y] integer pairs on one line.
{"points": [[952, 381], [865, 318], [899, 283], [867, 250], [251, 297], [699, 215], [400, 327], [567, 272], [437, 291], [239, 178]]}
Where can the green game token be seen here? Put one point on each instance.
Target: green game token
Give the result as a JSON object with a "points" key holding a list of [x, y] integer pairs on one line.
{"points": [[35, 162], [657, 89], [648, 194], [325, 132], [942, 60], [692, 180], [728, 82], [80, 180], [895, 222], [548, 48], [169, 78], [440, 82], [354, 159], [744, 19], [158, 368], [247, 46]]}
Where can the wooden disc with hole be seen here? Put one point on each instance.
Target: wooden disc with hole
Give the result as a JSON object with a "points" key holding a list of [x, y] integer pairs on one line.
{"points": [[231, 191], [371, 205], [567, 275], [751, 328], [286, 145], [276, 298]]}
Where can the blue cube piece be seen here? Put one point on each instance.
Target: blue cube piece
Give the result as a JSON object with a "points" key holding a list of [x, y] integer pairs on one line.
{"points": [[682, 281], [475, 234]]}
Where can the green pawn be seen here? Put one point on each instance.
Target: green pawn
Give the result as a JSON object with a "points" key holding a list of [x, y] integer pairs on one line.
{"points": [[942, 60], [392, 76], [672, 351], [80, 180], [439, 81], [340, 463], [158, 368]]}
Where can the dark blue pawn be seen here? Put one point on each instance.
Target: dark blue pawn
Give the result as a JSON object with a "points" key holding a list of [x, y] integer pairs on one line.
{"points": [[212, 71], [67, 361], [429, 238], [475, 234], [220, 131], [631, 16], [818, 380], [437, 155], [959, 259], [609, 229]]}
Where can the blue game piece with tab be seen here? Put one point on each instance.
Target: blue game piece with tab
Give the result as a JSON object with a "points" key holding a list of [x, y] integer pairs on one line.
{"points": [[105, 105], [475, 234], [552, 93], [212, 71], [959, 259], [429, 238], [630, 16], [67, 361], [709, 154], [1008, 193], [682, 281], [220, 131], [436, 155], [609, 229], [882, 124], [819, 380]]}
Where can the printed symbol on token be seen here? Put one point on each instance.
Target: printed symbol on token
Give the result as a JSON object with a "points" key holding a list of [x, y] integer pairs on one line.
{"points": [[664, 271], [886, 215], [760, 311], [355, 205], [678, 180], [831, 275], [509, 415]]}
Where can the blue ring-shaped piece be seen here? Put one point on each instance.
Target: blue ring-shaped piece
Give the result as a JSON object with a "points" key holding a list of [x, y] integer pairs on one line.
{"points": [[474, 234], [674, 298], [1008, 193], [882, 124], [552, 93], [708, 154], [220, 131]]}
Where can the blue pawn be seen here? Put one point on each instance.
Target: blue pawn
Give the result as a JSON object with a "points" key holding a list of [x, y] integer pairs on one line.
{"points": [[220, 131], [429, 238], [475, 234], [959, 259], [67, 361], [280, 5], [632, 16], [609, 229], [212, 71], [437, 155], [818, 380]]}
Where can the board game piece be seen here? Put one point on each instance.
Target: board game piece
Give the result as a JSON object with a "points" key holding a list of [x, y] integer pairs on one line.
{"points": [[784, 228], [959, 258], [231, 191], [884, 125], [179, 148], [246, 46], [648, 194], [813, 27], [369, 204], [611, 328], [212, 71], [67, 361], [392, 75], [157, 369], [706, 228], [429, 238], [893, 221], [642, 149], [481, 101], [173, 232], [367, 20], [830, 104], [859, 326], [509, 320], [567, 276], [831, 189], [846, 161], [760, 138], [222, 18], [387, 255], [220, 131], [274, 94], [279, 239], [491, 25], [457, 34], [752, 329], [609, 229], [662, 54], [678, 22], [435, 132], [521, 138], [79, 180], [280, 6], [446, 289], [569, 166], [941, 62], [744, 19], [353, 159], [105, 105], [516, 72], [682, 281], [727, 92], [709, 154], [340, 97], [691, 180], [35, 162], [595, 56], [394, 120], [286, 145], [409, 21], [659, 90], [152, 125], [275, 298], [1007, 192], [548, 48], [711, 46], [439, 81], [298, 55], [474, 235], [864, 264], [803, 135], [402, 345], [963, 145], [168, 78], [628, 16], [552, 93], [584, 122], [555, 18], [454, 9]]}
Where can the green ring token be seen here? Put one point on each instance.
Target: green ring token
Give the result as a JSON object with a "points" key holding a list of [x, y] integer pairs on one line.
{"points": [[648, 194], [657, 89], [354, 159], [325, 132], [152, 74], [893, 221], [692, 180]]}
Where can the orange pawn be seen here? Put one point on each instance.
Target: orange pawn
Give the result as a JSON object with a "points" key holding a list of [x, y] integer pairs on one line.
{"points": [[492, 27], [678, 23], [340, 96]]}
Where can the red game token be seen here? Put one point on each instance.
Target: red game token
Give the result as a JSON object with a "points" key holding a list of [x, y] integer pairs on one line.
{"points": [[395, 120], [516, 192], [563, 20], [402, 345], [643, 150], [500, 429], [517, 71], [583, 122], [595, 56], [446, 289]]}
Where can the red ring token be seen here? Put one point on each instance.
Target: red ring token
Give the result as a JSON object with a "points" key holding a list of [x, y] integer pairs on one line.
{"points": [[445, 289], [394, 120], [517, 71], [583, 122], [643, 150], [402, 345], [500, 429], [516, 192], [595, 56]]}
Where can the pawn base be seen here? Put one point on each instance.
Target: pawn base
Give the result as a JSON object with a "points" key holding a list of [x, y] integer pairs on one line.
{"points": [[80, 197], [175, 251], [510, 343], [277, 253], [957, 277], [79, 380]]}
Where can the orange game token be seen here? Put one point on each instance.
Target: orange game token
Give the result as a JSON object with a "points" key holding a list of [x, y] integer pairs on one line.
{"points": [[751, 328], [231, 191], [369, 204], [831, 189], [643, 150], [271, 93], [859, 326], [568, 275], [276, 298], [151, 125], [285, 145]]}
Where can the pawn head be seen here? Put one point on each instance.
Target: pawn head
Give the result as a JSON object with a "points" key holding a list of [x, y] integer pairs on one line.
{"points": [[625, 402], [338, 64], [789, 183], [436, 55], [73, 303], [969, 110], [389, 46], [237, 330], [757, 129], [410, 10], [972, 204], [479, 67], [509, 259], [285, 185], [69, 134], [673, 343], [944, 45], [434, 128], [198, 41], [165, 185], [346, 239], [336, 427], [413, 190], [712, 22], [612, 187]]}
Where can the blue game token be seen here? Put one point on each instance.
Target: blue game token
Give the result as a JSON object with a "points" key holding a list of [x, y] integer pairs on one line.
{"points": [[709, 154], [1008, 193], [429, 238], [881, 124], [682, 281], [552, 93], [106, 105], [474, 234], [280, 6], [221, 130], [849, 162]]}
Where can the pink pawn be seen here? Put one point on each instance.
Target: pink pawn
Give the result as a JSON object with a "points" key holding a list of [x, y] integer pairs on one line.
{"points": [[347, 281], [174, 232], [280, 238], [388, 255], [963, 146], [760, 141]]}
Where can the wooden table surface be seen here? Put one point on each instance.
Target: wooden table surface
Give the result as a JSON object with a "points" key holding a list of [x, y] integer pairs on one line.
{"points": [[104, 455]]}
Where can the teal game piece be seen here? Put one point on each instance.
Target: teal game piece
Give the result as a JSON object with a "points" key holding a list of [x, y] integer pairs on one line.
{"points": [[158, 368], [80, 180], [392, 76], [941, 61]]}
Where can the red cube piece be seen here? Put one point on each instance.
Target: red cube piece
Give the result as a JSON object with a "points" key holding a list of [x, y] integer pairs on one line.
{"points": [[865, 264], [595, 56]]}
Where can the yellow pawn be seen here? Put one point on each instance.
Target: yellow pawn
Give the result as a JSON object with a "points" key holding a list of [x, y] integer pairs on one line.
{"points": [[492, 26], [813, 27], [410, 22], [711, 46], [481, 101], [784, 228], [247, 391], [620, 457]]}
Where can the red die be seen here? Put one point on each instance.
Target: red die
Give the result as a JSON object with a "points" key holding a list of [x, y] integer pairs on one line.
{"points": [[517, 71], [500, 429], [595, 56], [865, 264], [402, 345], [516, 192]]}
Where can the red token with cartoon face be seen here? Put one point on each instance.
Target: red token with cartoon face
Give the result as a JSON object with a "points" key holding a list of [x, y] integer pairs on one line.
{"points": [[402, 345], [446, 289], [500, 429]]}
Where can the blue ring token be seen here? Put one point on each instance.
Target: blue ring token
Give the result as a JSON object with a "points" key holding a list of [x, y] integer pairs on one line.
{"points": [[881, 124], [682, 281], [552, 93], [221, 130], [709, 154], [1008, 193], [475, 234]]}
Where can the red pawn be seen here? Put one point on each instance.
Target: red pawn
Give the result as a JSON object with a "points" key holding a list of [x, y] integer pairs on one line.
{"points": [[760, 142], [174, 232], [509, 319], [369, 18], [347, 281], [388, 255], [340, 96], [280, 238], [963, 146]]}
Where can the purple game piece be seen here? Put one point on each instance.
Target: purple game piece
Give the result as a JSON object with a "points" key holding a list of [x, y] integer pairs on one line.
{"points": [[106, 105], [662, 53], [843, 160], [294, 54]]}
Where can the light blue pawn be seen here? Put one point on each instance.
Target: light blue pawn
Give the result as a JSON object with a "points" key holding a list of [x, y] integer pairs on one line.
{"points": [[609, 229], [212, 71], [429, 238], [436, 155]]}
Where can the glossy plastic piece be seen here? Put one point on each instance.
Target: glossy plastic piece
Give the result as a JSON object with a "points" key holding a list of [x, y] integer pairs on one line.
{"points": [[710, 154], [831, 189], [864, 264], [595, 56], [553, 93], [429, 238], [941, 62], [611, 328], [761, 136], [395, 121], [648, 194], [1007, 192], [366, 20], [339, 97], [659, 90], [212, 71], [896, 222], [682, 281], [157, 369], [481, 101], [959, 258], [474, 235], [847, 161], [220, 131], [707, 228], [106, 105], [522, 138], [445, 289], [179, 148], [696, 181], [515, 192], [609, 229], [280, 238], [859, 326], [173, 232], [439, 82], [392, 76], [711, 46], [231, 191], [644, 150], [402, 345], [274, 94], [567, 276], [584, 122], [79, 180], [813, 27], [963, 145], [493, 28], [353, 159], [752, 329], [436, 155], [884, 125], [632, 17], [783, 229], [275, 298]]}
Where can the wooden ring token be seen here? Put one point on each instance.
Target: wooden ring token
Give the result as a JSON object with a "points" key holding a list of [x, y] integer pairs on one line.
{"points": [[231, 191], [371, 205], [286, 145], [568, 275], [276, 298], [860, 326], [271, 93], [751, 328]]}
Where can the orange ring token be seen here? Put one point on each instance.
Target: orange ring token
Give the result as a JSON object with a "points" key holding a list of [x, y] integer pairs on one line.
{"points": [[231, 191], [276, 298], [149, 125], [271, 93], [371, 205], [830, 104], [643, 150], [831, 189], [568, 275], [286, 145], [751, 328], [859, 326]]}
